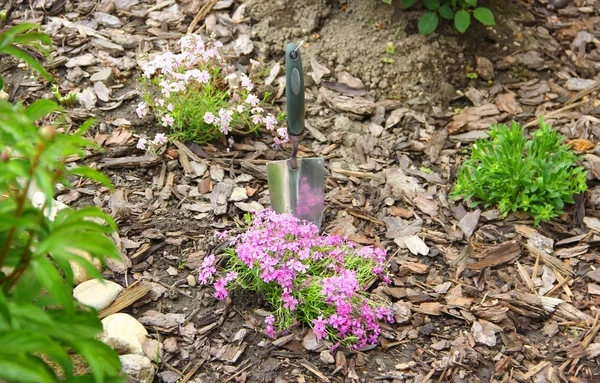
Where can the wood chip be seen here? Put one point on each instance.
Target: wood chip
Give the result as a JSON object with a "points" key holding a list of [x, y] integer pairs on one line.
{"points": [[505, 253]]}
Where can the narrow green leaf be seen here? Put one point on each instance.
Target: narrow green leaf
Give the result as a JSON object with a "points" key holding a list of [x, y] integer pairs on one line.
{"points": [[40, 109], [32, 36], [387, 1], [428, 23], [16, 52], [484, 15], [103, 360], [472, 3], [462, 19], [51, 280], [92, 174], [25, 369]]}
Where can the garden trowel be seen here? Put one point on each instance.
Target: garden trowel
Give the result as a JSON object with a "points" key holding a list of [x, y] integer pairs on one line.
{"points": [[297, 185]]}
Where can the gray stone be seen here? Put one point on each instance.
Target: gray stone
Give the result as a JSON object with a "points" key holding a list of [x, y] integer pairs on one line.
{"points": [[107, 46], [577, 84], [310, 341], [326, 357], [105, 75], [83, 60], [243, 45], [138, 367], [107, 20], [102, 91], [250, 207], [199, 168], [76, 74], [87, 98]]}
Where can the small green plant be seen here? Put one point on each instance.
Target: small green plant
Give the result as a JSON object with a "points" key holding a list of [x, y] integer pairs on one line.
{"points": [[425, 170], [390, 48], [40, 322], [198, 95], [508, 170], [472, 75], [458, 11], [68, 100]]}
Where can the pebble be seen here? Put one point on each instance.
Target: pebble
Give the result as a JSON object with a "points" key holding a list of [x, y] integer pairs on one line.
{"points": [[107, 20], [123, 333], [310, 341], [191, 280], [76, 74], [152, 349], [250, 207], [80, 275], [102, 91], [138, 367], [577, 84], [326, 357], [87, 98], [199, 168], [238, 194], [107, 46], [83, 60], [97, 293], [172, 271]]}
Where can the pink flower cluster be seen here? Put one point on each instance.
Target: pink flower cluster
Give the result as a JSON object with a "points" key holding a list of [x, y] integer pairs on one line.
{"points": [[200, 70], [289, 261], [159, 139]]}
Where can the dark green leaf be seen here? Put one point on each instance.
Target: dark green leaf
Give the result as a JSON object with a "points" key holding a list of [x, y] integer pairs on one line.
{"points": [[472, 3], [428, 23], [432, 4], [40, 109], [484, 15], [446, 12], [18, 53], [103, 360], [25, 369], [462, 19], [51, 280], [408, 3]]}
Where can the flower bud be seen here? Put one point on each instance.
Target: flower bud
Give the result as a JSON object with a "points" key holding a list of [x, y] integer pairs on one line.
{"points": [[47, 133], [4, 157]]}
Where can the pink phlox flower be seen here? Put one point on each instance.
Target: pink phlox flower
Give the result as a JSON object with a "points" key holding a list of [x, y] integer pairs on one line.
{"points": [[141, 143], [160, 139], [282, 132], [297, 266], [231, 142], [319, 327], [277, 143], [289, 302], [220, 289], [256, 119], [252, 100], [203, 77], [170, 107], [232, 275], [254, 62], [168, 120], [177, 86], [142, 109], [160, 101], [270, 122], [247, 83], [221, 235], [240, 108], [257, 110], [209, 118]]}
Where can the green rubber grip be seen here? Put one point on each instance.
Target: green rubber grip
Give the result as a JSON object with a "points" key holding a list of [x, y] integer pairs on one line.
{"points": [[294, 90]]}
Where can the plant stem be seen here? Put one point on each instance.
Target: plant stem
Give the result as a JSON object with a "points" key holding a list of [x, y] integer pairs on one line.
{"points": [[21, 203]]}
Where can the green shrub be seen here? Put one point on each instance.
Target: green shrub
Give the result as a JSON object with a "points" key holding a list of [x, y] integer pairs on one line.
{"points": [[199, 98], [40, 322], [458, 11], [536, 176]]}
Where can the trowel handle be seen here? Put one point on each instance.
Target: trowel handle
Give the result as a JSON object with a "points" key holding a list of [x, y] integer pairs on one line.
{"points": [[294, 90]]}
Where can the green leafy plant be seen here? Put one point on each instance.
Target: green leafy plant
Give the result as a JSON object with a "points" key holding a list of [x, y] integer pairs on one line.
{"points": [[537, 176], [40, 322], [458, 11], [68, 100]]}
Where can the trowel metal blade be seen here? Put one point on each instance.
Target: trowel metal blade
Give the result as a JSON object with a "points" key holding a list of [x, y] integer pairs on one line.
{"points": [[300, 191]]}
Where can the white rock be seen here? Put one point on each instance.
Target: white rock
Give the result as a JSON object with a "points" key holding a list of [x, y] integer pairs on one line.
{"points": [[310, 341], [250, 207], [138, 367], [123, 333], [97, 293], [191, 280], [199, 168], [238, 194], [83, 60], [107, 20], [416, 245]]}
